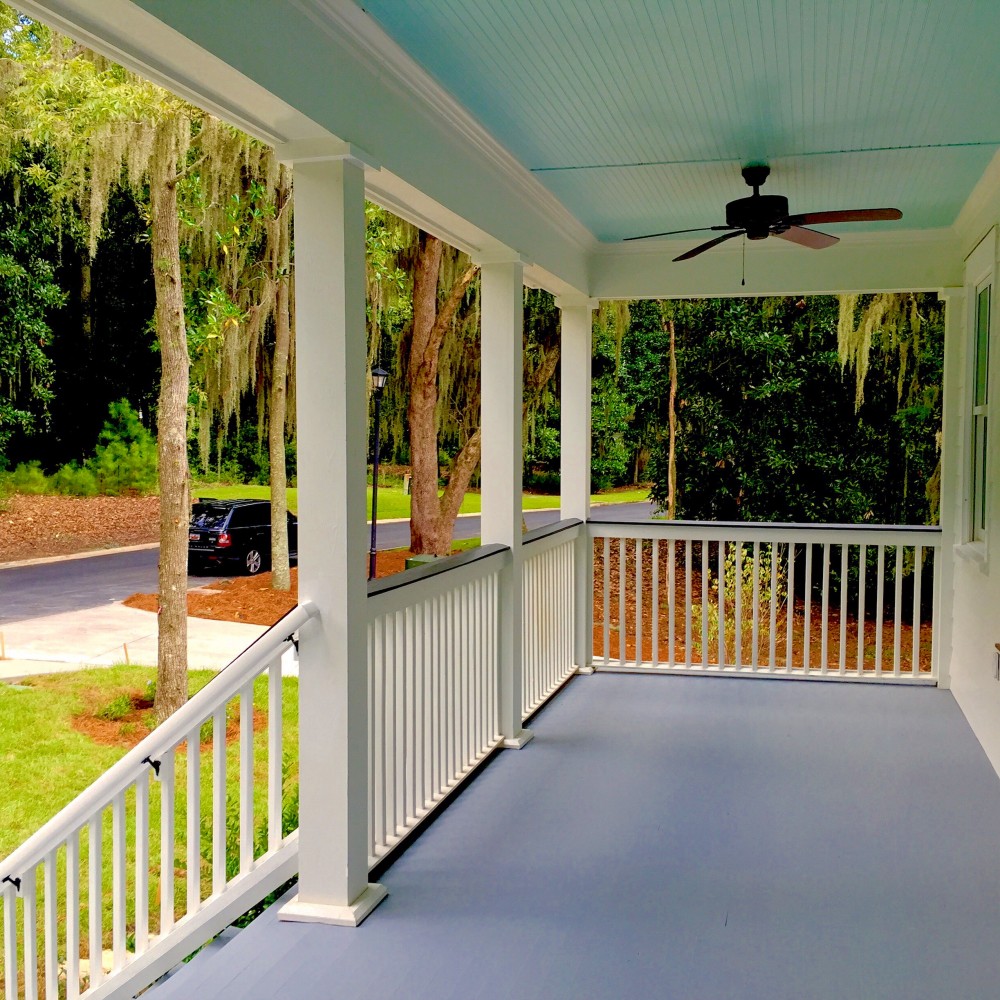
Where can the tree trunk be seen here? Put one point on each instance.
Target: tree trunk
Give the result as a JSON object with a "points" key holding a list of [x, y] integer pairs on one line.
{"points": [[432, 519], [280, 575], [672, 421], [175, 504]]}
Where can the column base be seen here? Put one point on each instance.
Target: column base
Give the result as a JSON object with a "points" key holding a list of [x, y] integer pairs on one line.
{"points": [[524, 737], [326, 913], [584, 670]]}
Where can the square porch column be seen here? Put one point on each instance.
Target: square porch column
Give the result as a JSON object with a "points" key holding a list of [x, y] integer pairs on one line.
{"points": [[955, 308], [576, 350], [332, 449], [502, 311]]}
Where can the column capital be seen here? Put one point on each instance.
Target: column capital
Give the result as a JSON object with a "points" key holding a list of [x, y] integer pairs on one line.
{"points": [[954, 292], [499, 255], [324, 149], [572, 301]]}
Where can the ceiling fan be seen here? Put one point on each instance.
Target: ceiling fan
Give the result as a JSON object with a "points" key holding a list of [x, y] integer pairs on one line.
{"points": [[763, 215]]}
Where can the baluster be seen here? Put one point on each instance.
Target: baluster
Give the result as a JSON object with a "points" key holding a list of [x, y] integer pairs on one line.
{"points": [[141, 862], [167, 836], [671, 602], [720, 554], [95, 899], [275, 762], [918, 565], [654, 609], [825, 642], [842, 654], [790, 627], [119, 892], [738, 607], [622, 571], [451, 639], [879, 608], [688, 574], [807, 616], [72, 916], [772, 653], [246, 778], [418, 709], [606, 601], [220, 874], [639, 658], [862, 580], [29, 892], [51, 921], [405, 625], [755, 624], [378, 734], [10, 940], [704, 603], [194, 820], [897, 632]]}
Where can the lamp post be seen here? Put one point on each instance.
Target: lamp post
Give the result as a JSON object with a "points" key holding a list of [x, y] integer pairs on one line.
{"points": [[379, 378]]}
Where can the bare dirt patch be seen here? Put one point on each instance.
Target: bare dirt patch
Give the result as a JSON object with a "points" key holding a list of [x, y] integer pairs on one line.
{"points": [[32, 527]]}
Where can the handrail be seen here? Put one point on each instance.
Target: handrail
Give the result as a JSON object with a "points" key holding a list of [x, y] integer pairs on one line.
{"points": [[545, 530], [732, 531], [172, 731], [420, 574]]}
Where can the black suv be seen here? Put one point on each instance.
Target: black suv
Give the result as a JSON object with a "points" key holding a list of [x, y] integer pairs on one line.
{"points": [[234, 533]]}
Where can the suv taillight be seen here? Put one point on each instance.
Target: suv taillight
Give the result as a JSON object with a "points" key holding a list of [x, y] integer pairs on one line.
{"points": [[224, 540]]}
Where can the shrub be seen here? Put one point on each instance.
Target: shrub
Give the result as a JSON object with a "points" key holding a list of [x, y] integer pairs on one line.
{"points": [[28, 478], [116, 709], [125, 459], [75, 481]]}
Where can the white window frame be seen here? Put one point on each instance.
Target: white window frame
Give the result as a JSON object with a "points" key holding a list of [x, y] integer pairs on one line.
{"points": [[979, 443]]}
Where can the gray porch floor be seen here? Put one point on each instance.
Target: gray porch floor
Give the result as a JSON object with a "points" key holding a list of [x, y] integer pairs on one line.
{"points": [[681, 837]]}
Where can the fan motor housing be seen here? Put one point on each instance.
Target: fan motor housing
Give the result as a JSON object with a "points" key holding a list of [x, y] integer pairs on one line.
{"points": [[756, 214]]}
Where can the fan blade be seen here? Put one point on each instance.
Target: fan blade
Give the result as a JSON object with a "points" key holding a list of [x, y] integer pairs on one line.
{"points": [[811, 238], [677, 232], [847, 215], [708, 246]]}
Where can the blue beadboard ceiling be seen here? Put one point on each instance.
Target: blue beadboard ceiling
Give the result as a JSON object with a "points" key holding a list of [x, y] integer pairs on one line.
{"points": [[637, 114]]}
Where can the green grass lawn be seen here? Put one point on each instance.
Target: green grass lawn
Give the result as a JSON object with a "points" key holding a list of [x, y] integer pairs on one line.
{"points": [[47, 763], [393, 503]]}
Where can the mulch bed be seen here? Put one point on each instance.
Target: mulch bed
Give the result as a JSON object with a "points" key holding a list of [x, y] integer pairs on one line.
{"points": [[35, 526]]}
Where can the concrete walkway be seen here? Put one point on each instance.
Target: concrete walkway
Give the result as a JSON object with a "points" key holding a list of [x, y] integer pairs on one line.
{"points": [[111, 634]]}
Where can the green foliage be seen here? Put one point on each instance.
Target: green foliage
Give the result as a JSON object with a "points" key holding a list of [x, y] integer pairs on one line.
{"points": [[125, 459], [767, 428], [116, 709], [27, 478], [74, 480]]}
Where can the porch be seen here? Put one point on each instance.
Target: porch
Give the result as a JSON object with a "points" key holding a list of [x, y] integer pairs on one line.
{"points": [[680, 837]]}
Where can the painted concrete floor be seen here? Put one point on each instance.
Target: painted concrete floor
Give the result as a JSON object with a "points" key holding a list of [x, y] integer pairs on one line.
{"points": [[681, 838]]}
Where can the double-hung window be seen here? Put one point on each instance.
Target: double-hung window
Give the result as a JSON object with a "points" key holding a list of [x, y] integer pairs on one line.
{"points": [[980, 270]]}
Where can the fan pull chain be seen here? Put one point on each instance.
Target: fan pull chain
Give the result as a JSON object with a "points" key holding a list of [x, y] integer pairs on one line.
{"points": [[744, 279]]}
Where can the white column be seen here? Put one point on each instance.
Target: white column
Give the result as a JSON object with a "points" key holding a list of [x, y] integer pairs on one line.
{"points": [[955, 304], [502, 404], [332, 450], [576, 337]]}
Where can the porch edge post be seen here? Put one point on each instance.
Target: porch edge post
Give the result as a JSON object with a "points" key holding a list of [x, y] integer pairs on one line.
{"points": [[576, 348], [502, 365], [332, 443], [951, 508]]}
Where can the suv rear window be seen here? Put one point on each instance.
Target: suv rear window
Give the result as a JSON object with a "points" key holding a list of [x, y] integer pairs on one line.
{"points": [[208, 516]]}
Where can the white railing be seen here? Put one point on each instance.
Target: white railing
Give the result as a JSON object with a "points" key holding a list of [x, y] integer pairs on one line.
{"points": [[182, 864], [432, 686], [548, 612], [833, 601]]}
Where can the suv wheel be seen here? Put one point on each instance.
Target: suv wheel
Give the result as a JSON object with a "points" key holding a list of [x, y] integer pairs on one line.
{"points": [[253, 562]]}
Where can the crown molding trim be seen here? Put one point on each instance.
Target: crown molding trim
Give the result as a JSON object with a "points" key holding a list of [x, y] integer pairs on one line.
{"points": [[345, 19]]}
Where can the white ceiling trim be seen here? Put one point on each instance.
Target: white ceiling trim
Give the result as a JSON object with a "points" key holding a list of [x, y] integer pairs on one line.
{"points": [[981, 209], [110, 27], [344, 19]]}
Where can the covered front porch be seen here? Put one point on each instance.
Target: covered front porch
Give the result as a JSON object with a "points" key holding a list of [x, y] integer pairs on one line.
{"points": [[679, 837]]}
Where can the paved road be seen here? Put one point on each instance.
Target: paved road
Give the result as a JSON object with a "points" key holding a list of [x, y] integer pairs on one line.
{"points": [[74, 584]]}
